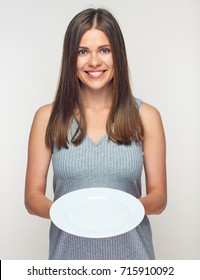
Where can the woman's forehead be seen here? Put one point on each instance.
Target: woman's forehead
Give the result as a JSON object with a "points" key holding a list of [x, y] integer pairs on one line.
{"points": [[94, 37]]}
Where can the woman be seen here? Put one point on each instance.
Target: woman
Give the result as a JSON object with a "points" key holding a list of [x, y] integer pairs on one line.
{"points": [[97, 135]]}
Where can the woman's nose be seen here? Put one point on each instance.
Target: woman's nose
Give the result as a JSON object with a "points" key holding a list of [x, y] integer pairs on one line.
{"points": [[94, 60]]}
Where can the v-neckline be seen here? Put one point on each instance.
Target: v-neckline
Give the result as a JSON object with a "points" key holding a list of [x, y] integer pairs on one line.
{"points": [[90, 139], [94, 142]]}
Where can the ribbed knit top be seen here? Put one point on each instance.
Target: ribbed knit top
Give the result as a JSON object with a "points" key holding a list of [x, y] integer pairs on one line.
{"points": [[102, 164]]}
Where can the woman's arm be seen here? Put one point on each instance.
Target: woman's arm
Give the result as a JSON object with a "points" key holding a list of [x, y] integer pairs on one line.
{"points": [[154, 148], [39, 156]]}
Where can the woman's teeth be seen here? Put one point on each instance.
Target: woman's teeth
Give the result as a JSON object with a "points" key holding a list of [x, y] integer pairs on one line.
{"points": [[95, 74]]}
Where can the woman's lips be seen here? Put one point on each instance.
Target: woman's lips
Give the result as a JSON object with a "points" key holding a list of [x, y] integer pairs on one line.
{"points": [[95, 74]]}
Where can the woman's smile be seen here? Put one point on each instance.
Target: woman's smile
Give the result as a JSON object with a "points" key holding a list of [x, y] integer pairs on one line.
{"points": [[96, 74]]}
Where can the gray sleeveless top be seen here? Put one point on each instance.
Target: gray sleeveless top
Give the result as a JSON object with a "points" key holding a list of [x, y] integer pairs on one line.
{"points": [[103, 164]]}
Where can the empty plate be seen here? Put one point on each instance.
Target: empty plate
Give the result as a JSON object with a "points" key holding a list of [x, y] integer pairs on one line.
{"points": [[97, 212]]}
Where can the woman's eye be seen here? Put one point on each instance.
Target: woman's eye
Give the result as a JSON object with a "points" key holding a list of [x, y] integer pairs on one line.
{"points": [[82, 52], [105, 50]]}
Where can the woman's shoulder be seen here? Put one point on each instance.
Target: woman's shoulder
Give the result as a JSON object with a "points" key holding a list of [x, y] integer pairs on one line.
{"points": [[148, 110], [151, 117], [45, 109], [43, 113]]}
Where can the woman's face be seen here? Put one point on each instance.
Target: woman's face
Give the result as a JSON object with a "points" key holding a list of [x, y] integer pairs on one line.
{"points": [[94, 61]]}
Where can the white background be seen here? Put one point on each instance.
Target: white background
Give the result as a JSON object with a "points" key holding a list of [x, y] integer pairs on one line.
{"points": [[163, 42]]}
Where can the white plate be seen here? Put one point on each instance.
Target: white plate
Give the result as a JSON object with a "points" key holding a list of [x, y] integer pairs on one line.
{"points": [[97, 212]]}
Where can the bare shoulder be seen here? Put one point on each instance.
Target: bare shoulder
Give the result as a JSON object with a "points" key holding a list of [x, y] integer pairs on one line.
{"points": [[43, 113], [151, 118], [41, 119], [148, 111]]}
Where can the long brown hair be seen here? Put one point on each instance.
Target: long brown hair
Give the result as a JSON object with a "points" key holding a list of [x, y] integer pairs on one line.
{"points": [[124, 124]]}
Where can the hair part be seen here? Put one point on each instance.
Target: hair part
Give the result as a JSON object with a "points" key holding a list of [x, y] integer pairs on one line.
{"points": [[124, 123]]}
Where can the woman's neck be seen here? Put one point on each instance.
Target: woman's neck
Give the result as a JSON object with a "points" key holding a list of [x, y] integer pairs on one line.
{"points": [[97, 100]]}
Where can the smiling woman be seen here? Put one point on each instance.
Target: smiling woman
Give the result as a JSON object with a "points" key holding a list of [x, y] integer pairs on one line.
{"points": [[98, 136]]}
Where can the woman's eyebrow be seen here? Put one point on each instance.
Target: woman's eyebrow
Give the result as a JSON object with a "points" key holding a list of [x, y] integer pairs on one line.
{"points": [[103, 46], [82, 47], [86, 48]]}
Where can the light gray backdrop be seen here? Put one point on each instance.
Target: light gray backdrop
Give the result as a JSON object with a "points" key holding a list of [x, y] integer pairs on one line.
{"points": [[163, 42]]}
